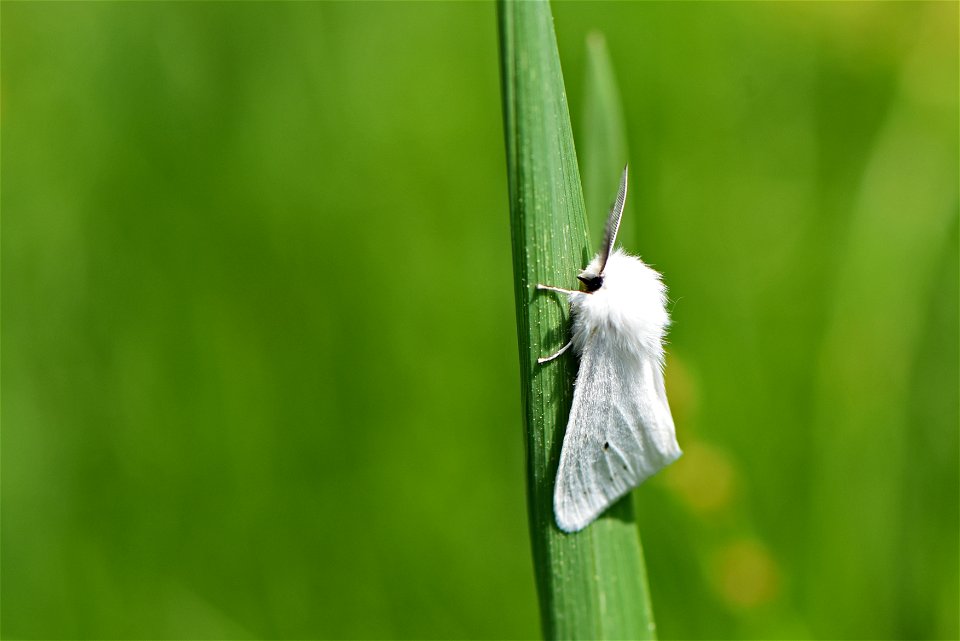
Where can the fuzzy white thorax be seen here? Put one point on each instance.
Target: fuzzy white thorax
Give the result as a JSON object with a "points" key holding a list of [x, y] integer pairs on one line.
{"points": [[628, 310]]}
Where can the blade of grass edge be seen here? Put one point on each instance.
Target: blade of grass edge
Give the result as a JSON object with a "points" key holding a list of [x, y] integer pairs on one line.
{"points": [[589, 584]]}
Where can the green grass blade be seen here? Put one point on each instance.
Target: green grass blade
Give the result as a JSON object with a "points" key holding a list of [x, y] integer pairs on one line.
{"points": [[603, 139], [591, 583]]}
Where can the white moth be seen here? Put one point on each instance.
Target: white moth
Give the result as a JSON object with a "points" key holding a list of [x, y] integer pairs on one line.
{"points": [[620, 429]]}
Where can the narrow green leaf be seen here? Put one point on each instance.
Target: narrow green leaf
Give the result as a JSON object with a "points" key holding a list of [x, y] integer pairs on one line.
{"points": [[603, 136], [590, 583]]}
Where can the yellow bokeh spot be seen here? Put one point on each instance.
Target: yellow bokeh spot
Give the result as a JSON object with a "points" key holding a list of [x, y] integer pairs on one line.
{"points": [[682, 390], [703, 479], [744, 574]]}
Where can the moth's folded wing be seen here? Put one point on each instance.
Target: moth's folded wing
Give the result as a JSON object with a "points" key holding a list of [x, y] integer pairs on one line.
{"points": [[596, 465], [654, 418], [619, 433]]}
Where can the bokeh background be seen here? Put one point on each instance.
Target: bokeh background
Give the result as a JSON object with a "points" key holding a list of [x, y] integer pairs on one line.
{"points": [[259, 363]]}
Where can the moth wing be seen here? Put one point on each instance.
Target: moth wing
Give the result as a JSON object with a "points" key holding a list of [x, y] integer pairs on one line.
{"points": [[620, 432]]}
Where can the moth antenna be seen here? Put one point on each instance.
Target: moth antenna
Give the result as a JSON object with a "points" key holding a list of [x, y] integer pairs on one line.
{"points": [[613, 222]]}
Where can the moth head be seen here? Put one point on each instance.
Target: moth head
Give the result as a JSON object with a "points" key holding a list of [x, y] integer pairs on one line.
{"points": [[591, 281], [592, 276]]}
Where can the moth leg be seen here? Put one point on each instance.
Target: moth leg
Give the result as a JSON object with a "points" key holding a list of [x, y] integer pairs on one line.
{"points": [[547, 359], [557, 289]]}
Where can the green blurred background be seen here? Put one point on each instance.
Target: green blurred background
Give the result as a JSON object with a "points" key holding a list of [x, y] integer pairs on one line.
{"points": [[259, 355]]}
